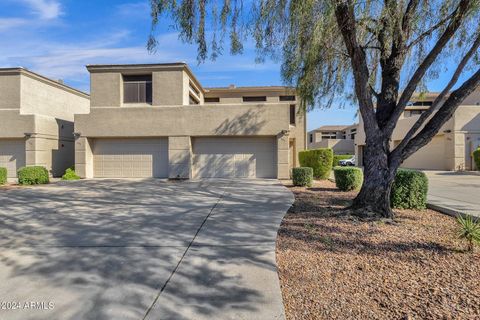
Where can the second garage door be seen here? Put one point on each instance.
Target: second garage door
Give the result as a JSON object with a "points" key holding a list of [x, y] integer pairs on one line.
{"points": [[130, 158], [234, 157], [12, 155]]}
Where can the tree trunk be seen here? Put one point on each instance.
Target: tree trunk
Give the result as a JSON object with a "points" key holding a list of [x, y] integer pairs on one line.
{"points": [[373, 200]]}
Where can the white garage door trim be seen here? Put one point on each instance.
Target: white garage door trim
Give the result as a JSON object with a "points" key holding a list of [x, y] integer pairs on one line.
{"points": [[130, 158], [234, 157], [12, 155]]}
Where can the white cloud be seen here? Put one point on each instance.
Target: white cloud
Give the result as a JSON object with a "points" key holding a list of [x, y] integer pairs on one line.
{"points": [[137, 9], [10, 23], [45, 9]]}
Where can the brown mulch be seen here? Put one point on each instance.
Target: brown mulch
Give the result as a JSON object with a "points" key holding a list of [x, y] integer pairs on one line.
{"points": [[333, 266]]}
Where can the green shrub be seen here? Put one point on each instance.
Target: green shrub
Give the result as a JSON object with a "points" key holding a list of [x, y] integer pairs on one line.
{"points": [[348, 178], [409, 190], [302, 176], [476, 158], [469, 230], [33, 175], [338, 157], [320, 160], [3, 175], [70, 174]]}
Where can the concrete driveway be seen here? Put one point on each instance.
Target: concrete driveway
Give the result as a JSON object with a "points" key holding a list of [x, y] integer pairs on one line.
{"points": [[126, 249], [454, 192]]}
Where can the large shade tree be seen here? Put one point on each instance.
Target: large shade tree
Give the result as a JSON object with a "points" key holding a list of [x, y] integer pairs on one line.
{"points": [[378, 52]]}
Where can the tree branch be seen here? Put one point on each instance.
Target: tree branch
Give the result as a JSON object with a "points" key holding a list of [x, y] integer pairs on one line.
{"points": [[453, 26], [430, 31], [442, 116], [345, 16], [424, 116]]}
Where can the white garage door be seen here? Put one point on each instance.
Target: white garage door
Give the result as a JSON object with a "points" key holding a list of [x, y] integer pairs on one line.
{"points": [[12, 155], [130, 158], [228, 157], [430, 157]]}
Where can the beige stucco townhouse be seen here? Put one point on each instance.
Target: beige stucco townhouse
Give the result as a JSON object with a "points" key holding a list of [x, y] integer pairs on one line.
{"points": [[36, 121], [157, 120], [339, 138], [451, 149]]}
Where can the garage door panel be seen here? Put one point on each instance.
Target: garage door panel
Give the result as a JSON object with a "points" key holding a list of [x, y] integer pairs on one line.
{"points": [[130, 158], [12, 155], [229, 157]]}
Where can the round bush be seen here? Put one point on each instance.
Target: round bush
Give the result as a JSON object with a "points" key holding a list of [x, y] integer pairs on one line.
{"points": [[348, 178], [409, 190], [476, 158], [3, 175], [338, 157], [70, 174], [320, 160], [302, 176], [33, 175]]}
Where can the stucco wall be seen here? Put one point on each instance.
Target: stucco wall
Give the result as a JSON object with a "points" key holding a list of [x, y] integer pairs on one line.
{"points": [[339, 146], [42, 98], [9, 91]]}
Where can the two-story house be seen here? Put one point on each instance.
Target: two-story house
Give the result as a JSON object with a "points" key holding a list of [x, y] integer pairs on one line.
{"points": [[451, 149], [157, 120], [339, 138], [36, 121]]}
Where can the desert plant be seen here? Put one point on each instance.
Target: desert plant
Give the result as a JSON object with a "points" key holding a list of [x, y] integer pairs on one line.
{"points": [[348, 178], [338, 157], [409, 190], [33, 175], [70, 174], [320, 160], [469, 230], [3, 175], [476, 158], [302, 176]]}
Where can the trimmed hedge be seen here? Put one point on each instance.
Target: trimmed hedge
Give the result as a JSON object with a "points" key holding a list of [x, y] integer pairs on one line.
{"points": [[302, 176], [476, 158], [3, 175], [33, 175], [348, 178], [409, 190], [338, 157], [70, 174], [320, 160]]}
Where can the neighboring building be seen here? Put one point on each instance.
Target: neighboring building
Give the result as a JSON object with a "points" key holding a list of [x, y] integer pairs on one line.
{"points": [[338, 138], [451, 149], [157, 120], [36, 121]]}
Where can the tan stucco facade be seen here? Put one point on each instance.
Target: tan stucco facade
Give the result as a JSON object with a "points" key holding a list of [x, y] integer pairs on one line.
{"points": [[451, 149], [339, 138], [170, 116], [37, 113]]}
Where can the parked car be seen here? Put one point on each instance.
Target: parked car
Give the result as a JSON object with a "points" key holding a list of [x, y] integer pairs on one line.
{"points": [[347, 162]]}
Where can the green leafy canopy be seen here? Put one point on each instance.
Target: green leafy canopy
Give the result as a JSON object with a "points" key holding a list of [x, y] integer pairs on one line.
{"points": [[306, 36]]}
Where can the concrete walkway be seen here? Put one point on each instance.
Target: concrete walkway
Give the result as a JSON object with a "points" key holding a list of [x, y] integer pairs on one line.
{"points": [[454, 192], [120, 249]]}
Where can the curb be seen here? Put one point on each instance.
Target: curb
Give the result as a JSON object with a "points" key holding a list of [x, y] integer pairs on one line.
{"points": [[450, 212]]}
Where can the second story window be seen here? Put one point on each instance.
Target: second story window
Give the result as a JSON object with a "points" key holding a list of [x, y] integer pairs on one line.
{"points": [[329, 135], [311, 138], [254, 99], [292, 114], [287, 98], [212, 99], [137, 89]]}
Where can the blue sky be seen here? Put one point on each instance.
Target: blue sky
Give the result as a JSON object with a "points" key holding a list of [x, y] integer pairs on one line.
{"points": [[57, 38]]}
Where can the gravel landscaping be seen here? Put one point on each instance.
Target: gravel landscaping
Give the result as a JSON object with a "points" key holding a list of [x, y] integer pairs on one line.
{"points": [[333, 266]]}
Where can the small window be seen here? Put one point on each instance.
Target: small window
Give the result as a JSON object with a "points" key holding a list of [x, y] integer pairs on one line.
{"points": [[287, 98], [254, 99], [137, 89], [292, 114], [212, 99], [192, 99], [311, 138]]}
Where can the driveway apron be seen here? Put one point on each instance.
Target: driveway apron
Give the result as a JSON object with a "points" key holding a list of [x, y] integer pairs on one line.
{"points": [[141, 249]]}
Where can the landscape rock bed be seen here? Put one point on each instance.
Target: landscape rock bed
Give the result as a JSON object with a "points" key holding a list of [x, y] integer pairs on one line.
{"points": [[333, 266]]}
